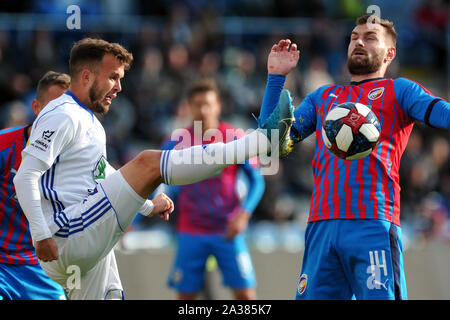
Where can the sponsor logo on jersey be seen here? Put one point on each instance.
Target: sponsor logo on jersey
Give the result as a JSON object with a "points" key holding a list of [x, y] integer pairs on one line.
{"points": [[43, 142], [47, 134], [375, 93], [302, 283], [39, 144]]}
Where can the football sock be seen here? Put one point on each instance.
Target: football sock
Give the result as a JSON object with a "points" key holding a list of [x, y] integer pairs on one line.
{"points": [[186, 166]]}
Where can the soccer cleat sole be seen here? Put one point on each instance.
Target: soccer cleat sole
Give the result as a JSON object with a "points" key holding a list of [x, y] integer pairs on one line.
{"points": [[286, 143]]}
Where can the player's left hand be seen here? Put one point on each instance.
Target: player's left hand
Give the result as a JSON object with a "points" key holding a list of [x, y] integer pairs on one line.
{"points": [[237, 224], [283, 57], [163, 206], [46, 250]]}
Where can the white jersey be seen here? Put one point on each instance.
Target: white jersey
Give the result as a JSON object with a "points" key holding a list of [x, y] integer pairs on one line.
{"points": [[71, 141]]}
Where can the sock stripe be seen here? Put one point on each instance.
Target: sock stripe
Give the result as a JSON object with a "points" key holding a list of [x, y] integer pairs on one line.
{"points": [[163, 155], [166, 160]]}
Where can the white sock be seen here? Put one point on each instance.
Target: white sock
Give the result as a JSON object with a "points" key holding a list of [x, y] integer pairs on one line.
{"points": [[186, 166]]}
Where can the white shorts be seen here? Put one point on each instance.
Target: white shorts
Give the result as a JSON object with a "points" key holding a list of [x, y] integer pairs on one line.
{"points": [[86, 267]]}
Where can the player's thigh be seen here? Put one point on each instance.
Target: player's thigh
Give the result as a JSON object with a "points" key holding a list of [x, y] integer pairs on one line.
{"points": [[102, 282], [123, 198], [95, 225], [322, 276], [371, 252], [234, 260], [188, 271]]}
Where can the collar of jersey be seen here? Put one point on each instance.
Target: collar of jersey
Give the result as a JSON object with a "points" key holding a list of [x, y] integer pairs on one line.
{"points": [[356, 83], [79, 102]]}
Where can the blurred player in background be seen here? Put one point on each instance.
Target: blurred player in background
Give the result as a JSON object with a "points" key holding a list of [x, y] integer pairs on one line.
{"points": [[83, 206], [21, 277], [211, 220], [353, 242]]}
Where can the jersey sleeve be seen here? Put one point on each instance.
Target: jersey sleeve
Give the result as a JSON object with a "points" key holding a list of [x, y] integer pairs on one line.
{"points": [[50, 135], [274, 86], [305, 118], [419, 104]]}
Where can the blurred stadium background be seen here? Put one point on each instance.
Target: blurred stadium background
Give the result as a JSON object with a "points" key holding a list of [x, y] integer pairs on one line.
{"points": [[176, 42]]}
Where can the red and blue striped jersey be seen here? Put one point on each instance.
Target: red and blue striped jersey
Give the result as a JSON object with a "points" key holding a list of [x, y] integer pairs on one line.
{"points": [[206, 206], [367, 188], [16, 246]]}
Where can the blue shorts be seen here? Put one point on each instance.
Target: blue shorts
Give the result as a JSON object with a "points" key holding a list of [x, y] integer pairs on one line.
{"points": [[27, 282], [233, 258], [348, 259]]}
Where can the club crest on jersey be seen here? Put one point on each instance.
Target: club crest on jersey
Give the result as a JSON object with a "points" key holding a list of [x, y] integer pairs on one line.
{"points": [[302, 282], [99, 171], [374, 94]]}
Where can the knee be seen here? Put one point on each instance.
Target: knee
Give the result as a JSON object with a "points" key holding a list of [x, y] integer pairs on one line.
{"points": [[142, 173], [144, 168], [187, 296], [245, 294], [148, 160]]}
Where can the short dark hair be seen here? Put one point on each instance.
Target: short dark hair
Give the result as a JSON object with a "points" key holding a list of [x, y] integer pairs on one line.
{"points": [[49, 79], [89, 50], [388, 25], [203, 85]]}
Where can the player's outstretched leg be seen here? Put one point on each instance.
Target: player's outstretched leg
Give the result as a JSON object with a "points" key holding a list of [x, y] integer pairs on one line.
{"points": [[281, 119], [179, 167]]}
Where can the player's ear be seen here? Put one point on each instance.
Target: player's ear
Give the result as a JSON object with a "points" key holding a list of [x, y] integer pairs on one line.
{"points": [[36, 106], [391, 52], [86, 76]]}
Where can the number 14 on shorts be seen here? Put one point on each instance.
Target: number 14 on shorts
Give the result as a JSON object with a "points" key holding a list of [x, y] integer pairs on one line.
{"points": [[374, 269]]}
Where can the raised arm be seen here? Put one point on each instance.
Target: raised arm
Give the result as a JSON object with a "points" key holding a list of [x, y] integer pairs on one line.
{"points": [[282, 59]]}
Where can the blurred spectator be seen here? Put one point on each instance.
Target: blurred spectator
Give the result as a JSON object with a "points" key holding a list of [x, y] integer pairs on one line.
{"points": [[436, 214], [432, 18], [316, 75], [16, 115], [242, 80]]}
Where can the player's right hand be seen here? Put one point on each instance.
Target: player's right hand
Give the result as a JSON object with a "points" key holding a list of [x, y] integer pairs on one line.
{"points": [[163, 206], [283, 57], [47, 250]]}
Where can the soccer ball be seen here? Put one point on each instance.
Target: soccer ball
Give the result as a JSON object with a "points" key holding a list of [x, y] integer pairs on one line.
{"points": [[351, 130]]}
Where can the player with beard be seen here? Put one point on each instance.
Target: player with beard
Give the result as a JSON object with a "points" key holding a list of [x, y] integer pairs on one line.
{"points": [[353, 245], [76, 204]]}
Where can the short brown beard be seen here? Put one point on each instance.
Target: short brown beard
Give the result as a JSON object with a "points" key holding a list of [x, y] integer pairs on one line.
{"points": [[96, 100], [364, 66]]}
